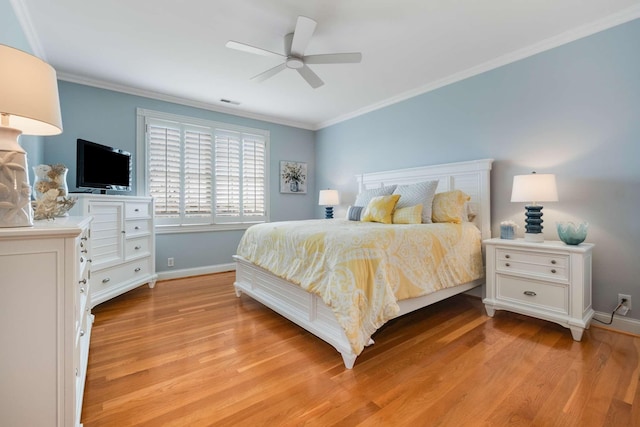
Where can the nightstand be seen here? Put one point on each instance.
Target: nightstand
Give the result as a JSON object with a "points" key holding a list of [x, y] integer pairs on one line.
{"points": [[549, 280]]}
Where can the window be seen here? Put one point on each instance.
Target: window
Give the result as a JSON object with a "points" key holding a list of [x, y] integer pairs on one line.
{"points": [[202, 173]]}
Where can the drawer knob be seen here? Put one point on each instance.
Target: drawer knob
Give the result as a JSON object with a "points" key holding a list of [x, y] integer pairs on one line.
{"points": [[106, 280], [507, 256], [530, 293], [82, 290], [81, 260], [553, 270], [553, 261], [137, 269], [507, 264], [137, 210], [137, 248], [81, 333]]}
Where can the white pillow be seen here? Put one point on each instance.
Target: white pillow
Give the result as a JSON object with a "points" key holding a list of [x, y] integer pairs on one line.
{"points": [[420, 193], [365, 197]]}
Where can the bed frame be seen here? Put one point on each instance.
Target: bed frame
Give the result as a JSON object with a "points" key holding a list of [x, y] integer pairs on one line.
{"points": [[311, 313]]}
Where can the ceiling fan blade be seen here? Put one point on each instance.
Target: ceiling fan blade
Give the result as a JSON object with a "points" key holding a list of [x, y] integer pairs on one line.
{"points": [[269, 73], [302, 35], [252, 49], [311, 77], [334, 58]]}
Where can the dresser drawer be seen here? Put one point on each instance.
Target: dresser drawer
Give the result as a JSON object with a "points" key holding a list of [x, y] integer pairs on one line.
{"points": [[129, 271], [532, 293], [534, 263], [137, 227], [136, 210], [138, 247]]}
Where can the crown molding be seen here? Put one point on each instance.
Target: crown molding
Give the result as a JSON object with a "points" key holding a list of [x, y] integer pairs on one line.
{"points": [[72, 78], [24, 18], [610, 21]]}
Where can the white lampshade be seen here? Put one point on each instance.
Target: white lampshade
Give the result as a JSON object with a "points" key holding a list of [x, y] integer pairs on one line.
{"points": [[28, 104], [28, 93], [534, 188], [328, 198]]}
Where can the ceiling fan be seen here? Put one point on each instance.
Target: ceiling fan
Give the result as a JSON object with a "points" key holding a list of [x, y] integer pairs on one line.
{"points": [[294, 58]]}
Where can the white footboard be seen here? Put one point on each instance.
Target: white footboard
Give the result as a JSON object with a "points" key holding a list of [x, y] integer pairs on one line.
{"points": [[301, 307]]}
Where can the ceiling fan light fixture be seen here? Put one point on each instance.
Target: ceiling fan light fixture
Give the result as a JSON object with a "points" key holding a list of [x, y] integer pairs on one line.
{"points": [[294, 63]]}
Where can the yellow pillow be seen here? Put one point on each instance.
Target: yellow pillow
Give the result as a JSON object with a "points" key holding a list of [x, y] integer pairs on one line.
{"points": [[380, 209], [449, 206], [408, 215]]}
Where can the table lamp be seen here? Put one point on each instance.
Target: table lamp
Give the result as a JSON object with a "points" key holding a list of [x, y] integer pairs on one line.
{"points": [[329, 199], [29, 104], [534, 188]]}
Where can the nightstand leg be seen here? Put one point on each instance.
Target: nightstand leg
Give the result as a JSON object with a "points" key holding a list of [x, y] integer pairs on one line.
{"points": [[576, 332], [490, 310]]}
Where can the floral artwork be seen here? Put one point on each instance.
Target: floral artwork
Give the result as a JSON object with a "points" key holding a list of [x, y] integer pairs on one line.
{"points": [[293, 177]]}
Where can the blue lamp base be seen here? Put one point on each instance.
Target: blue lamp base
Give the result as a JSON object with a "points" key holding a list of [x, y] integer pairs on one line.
{"points": [[534, 221], [328, 212]]}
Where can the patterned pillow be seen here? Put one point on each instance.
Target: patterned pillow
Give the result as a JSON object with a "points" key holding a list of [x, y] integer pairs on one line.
{"points": [[365, 197], [354, 213], [450, 206], [380, 209], [418, 194], [408, 215]]}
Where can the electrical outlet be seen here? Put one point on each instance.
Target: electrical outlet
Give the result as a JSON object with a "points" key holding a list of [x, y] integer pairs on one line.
{"points": [[626, 307], [170, 262]]}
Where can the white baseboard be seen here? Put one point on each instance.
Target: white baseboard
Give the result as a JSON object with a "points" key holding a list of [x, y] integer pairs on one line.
{"points": [[197, 271], [620, 323]]}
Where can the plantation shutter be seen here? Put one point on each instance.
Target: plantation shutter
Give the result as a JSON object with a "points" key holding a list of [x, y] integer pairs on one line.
{"points": [[253, 176], [240, 176], [198, 165], [164, 168]]}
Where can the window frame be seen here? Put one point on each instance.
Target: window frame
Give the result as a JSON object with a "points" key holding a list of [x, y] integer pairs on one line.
{"points": [[142, 183]]}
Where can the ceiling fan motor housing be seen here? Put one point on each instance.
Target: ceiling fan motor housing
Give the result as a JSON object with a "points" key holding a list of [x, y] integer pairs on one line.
{"points": [[294, 62]]}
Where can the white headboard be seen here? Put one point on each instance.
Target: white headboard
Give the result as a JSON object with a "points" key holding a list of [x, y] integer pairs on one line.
{"points": [[472, 177]]}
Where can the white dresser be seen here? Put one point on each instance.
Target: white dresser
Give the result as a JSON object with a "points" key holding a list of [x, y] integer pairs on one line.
{"points": [[123, 243], [45, 322], [549, 280]]}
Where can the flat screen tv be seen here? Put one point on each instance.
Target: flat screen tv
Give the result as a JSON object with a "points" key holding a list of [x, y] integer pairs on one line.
{"points": [[102, 167]]}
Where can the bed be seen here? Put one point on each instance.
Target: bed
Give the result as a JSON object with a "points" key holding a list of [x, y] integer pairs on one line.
{"points": [[309, 310]]}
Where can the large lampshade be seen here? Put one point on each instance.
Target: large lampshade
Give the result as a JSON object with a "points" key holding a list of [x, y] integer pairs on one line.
{"points": [[534, 188], [29, 104], [329, 199]]}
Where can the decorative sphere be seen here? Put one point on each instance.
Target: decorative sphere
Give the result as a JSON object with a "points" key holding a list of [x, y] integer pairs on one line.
{"points": [[571, 233]]}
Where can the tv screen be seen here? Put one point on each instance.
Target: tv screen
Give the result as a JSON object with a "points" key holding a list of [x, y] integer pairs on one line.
{"points": [[102, 167]]}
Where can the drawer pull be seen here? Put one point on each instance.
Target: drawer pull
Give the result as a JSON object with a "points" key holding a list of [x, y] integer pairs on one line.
{"points": [[137, 210], [81, 333], [137, 248], [84, 238], [553, 261], [507, 256], [106, 280], [553, 270], [83, 281], [136, 228], [137, 269], [530, 293], [81, 260], [84, 251], [507, 265]]}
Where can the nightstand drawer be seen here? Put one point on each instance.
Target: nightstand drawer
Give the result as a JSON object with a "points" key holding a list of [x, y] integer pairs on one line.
{"points": [[531, 262], [532, 293]]}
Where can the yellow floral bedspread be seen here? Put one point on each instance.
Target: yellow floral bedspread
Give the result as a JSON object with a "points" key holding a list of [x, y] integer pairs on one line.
{"points": [[361, 269]]}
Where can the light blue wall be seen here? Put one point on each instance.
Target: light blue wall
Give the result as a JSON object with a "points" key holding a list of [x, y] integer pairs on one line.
{"points": [[11, 34], [573, 111], [109, 117]]}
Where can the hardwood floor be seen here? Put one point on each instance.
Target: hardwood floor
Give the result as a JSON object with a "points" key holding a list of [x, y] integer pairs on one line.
{"points": [[189, 353]]}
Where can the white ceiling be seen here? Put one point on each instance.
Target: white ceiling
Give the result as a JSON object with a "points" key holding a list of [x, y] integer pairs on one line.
{"points": [[175, 50]]}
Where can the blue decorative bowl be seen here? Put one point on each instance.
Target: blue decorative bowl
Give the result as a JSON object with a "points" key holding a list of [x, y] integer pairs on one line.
{"points": [[571, 233]]}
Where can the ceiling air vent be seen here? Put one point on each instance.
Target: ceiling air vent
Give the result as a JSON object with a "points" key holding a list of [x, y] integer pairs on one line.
{"points": [[228, 101]]}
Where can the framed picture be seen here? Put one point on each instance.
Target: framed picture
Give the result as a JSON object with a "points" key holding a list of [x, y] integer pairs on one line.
{"points": [[293, 177]]}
